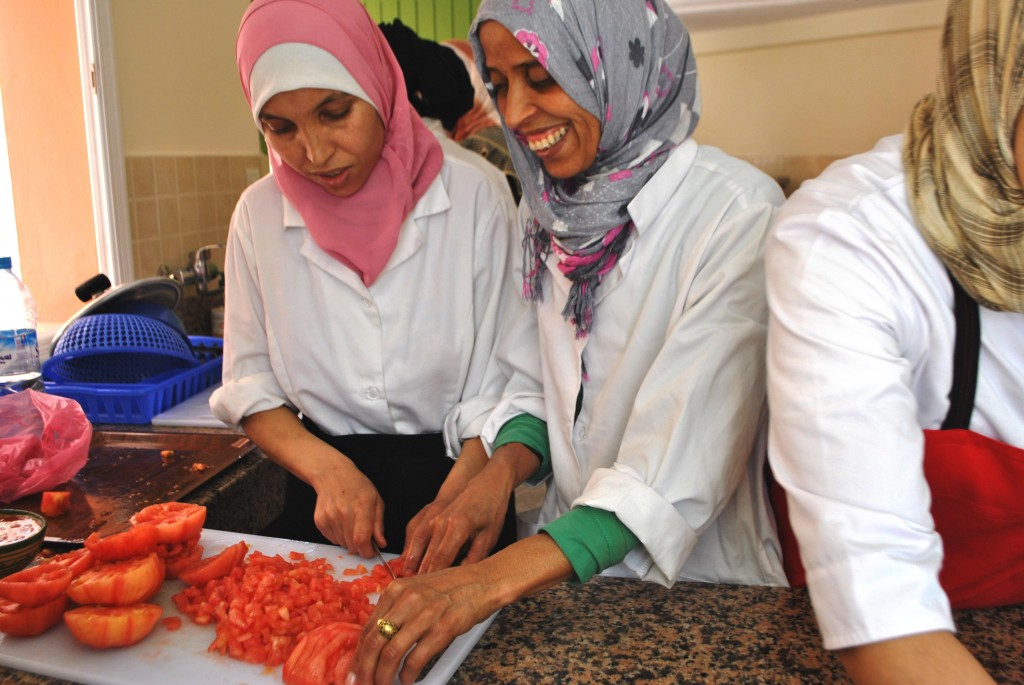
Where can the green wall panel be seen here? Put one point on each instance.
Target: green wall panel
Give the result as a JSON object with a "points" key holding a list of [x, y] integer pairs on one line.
{"points": [[434, 19]]}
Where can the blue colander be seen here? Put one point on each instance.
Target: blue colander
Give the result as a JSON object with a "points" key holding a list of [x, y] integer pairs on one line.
{"points": [[118, 348]]}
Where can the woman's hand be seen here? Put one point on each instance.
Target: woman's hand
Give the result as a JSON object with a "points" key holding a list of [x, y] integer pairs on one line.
{"points": [[349, 510], [469, 510], [432, 610]]}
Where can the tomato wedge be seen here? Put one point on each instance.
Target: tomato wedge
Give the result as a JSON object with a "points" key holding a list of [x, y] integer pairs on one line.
{"points": [[323, 655], [137, 541], [183, 560], [55, 503], [105, 627], [22, 621], [119, 582], [216, 566], [79, 561], [175, 521], [35, 585]]}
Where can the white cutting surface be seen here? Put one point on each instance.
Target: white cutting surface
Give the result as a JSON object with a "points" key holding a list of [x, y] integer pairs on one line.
{"points": [[195, 411], [175, 657]]}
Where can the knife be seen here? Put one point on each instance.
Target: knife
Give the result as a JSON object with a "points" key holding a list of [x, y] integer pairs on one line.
{"points": [[384, 561]]}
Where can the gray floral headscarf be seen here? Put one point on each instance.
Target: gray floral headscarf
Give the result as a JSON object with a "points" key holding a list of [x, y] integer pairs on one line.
{"points": [[629, 63]]}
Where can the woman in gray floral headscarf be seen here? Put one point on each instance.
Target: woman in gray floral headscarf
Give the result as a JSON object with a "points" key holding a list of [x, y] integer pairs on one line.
{"points": [[638, 383], [648, 103]]}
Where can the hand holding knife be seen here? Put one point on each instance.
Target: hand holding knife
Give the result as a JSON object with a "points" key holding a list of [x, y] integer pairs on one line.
{"points": [[384, 561]]}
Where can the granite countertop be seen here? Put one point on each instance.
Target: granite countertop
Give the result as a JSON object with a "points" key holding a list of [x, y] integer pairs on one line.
{"points": [[613, 630]]}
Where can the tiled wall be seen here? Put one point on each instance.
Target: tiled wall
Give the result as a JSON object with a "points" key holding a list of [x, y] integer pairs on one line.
{"points": [[178, 204]]}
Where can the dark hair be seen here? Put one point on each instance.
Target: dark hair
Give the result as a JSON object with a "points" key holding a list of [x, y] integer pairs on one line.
{"points": [[436, 80]]}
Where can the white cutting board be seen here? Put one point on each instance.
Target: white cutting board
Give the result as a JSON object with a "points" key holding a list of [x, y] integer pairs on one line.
{"points": [[175, 657], [195, 411]]}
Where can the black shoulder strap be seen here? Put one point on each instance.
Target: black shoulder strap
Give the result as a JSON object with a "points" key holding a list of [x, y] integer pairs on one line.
{"points": [[965, 359]]}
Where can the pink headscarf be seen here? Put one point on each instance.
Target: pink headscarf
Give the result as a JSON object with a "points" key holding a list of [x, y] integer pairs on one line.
{"points": [[360, 231]]}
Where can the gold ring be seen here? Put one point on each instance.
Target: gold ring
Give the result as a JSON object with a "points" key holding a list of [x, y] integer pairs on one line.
{"points": [[386, 628]]}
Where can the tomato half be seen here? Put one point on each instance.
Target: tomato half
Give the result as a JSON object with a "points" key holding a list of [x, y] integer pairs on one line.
{"points": [[55, 503], [216, 566], [35, 585], [323, 655], [119, 582], [137, 541], [105, 627], [175, 521], [79, 561], [22, 621]]}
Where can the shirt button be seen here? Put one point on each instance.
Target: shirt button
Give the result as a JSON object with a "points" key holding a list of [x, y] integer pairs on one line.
{"points": [[581, 433], [372, 393], [367, 303]]}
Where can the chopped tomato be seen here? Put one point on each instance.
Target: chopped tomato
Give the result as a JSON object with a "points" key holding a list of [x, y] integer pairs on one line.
{"points": [[265, 603], [22, 621], [79, 561], [137, 541], [216, 566], [35, 585], [175, 521], [179, 562], [104, 627], [119, 582], [55, 503], [323, 655], [172, 622]]}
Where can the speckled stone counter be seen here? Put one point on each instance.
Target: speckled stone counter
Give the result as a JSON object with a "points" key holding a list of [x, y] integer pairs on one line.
{"points": [[623, 631]]}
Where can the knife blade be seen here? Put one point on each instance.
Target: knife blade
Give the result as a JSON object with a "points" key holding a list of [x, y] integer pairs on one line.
{"points": [[380, 555]]}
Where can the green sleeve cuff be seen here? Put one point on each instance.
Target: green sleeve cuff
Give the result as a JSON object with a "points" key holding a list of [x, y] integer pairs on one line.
{"points": [[530, 431], [592, 539]]}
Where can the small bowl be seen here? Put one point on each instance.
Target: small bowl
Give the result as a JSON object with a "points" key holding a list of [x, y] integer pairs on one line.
{"points": [[17, 553]]}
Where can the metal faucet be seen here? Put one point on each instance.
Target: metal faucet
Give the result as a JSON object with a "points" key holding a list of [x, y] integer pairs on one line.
{"points": [[201, 267], [202, 272]]}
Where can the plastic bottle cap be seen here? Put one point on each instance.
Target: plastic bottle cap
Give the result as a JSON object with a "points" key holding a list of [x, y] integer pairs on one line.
{"points": [[5, 262]]}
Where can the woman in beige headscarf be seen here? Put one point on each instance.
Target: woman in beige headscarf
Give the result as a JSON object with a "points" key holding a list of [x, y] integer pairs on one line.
{"points": [[896, 369]]}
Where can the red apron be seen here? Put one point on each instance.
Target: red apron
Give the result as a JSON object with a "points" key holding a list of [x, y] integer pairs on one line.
{"points": [[977, 488]]}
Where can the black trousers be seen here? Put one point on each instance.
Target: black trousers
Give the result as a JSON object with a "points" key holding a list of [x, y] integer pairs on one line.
{"points": [[407, 471]]}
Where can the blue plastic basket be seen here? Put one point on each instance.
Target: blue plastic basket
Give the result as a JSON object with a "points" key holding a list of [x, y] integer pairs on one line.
{"points": [[118, 348], [139, 402]]}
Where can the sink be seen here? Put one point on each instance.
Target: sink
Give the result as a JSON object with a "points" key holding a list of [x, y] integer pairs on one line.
{"points": [[194, 311]]}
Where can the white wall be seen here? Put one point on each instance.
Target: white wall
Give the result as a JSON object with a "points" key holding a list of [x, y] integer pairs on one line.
{"points": [[830, 84], [177, 80]]}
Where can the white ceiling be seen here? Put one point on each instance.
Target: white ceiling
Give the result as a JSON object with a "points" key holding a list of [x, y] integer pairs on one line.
{"points": [[715, 14]]}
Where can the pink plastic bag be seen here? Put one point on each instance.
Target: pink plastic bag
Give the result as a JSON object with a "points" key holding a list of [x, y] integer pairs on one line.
{"points": [[44, 441]]}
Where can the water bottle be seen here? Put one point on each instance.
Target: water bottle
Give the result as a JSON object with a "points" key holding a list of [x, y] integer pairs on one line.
{"points": [[19, 348]]}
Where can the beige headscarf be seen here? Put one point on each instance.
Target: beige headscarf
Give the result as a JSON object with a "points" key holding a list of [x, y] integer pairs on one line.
{"points": [[961, 174]]}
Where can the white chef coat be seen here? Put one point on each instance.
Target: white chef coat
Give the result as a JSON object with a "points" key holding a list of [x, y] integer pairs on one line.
{"points": [[670, 436], [303, 331], [860, 361]]}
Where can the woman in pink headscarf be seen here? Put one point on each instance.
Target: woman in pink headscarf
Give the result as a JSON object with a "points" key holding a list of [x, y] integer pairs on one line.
{"points": [[365, 277]]}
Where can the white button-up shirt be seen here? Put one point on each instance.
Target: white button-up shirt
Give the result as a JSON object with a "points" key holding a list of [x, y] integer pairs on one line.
{"points": [[860, 361], [670, 436], [303, 331]]}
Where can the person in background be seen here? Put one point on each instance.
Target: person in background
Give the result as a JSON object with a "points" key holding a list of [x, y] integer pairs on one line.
{"points": [[440, 86], [440, 90], [896, 369], [644, 353], [366, 283]]}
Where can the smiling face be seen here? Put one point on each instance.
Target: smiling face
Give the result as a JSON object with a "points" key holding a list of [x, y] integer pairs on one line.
{"points": [[331, 138], [562, 135]]}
